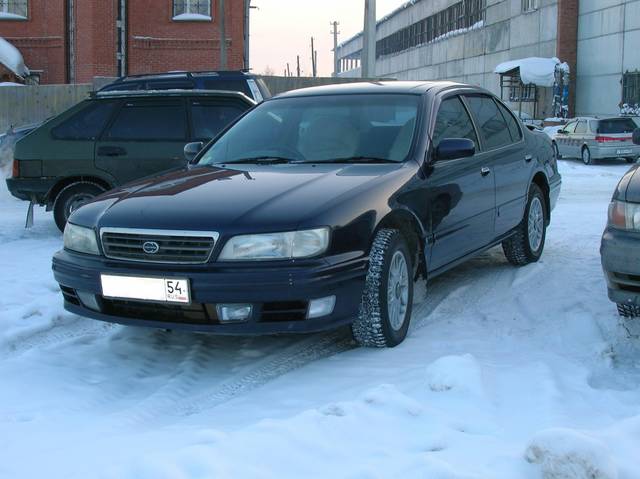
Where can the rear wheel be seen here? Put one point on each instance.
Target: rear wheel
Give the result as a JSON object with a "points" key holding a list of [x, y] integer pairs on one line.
{"points": [[628, 311], [385, 308], [71, 198], [527, 243], [586, 155]]}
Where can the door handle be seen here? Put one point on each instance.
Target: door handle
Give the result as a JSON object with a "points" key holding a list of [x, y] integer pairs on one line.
{"points": [[485, 171], [111, 151], [528, 158]]}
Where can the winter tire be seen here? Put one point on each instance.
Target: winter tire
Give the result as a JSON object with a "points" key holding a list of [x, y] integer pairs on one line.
{"points": [[527, 243], [586, 155], [71, 198], [385, 309], [628, 310]]}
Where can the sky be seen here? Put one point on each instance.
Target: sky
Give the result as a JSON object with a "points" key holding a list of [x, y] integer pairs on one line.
{"points": [[282, 29]]}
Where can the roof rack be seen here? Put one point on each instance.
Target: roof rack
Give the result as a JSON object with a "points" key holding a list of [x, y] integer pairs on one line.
{"points": [[187, 74], [176, 92]]}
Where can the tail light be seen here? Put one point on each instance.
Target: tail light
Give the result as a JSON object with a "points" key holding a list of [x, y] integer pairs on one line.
{"points": [[605, 139], [15, 171]]}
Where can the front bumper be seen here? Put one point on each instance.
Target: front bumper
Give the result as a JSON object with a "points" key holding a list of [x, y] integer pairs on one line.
{"points": [[279, 294], [620, 254], [31, 188], [602, 152]]}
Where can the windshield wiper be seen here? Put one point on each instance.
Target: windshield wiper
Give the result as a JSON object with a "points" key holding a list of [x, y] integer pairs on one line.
{"points": [[359, 159], [260, 160]]}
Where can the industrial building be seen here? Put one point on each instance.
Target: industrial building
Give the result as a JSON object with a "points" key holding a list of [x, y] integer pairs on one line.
{"points": [[465, 40]]}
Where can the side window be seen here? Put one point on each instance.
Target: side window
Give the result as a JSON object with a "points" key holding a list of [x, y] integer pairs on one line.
{"points": [[581, 127], [512, 123], [453, 122], [87, 124], [211, 118], [493, 128], [149, 121], [570, 127]]}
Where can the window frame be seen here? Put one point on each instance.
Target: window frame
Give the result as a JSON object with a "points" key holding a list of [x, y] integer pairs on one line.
{"points": [[485, 147], [529, 6], [465, 106], [141, 102], [187, 11], [5, 8], [581, 123], [631, 87]]}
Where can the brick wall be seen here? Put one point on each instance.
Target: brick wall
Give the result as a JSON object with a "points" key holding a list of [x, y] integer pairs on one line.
{"points": [[156, 43], [567, 46], [40, 38]]}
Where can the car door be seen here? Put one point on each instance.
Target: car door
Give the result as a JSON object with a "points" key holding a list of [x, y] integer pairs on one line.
{"points": [[146, 136], [209, 116], [512, 164], [563, 140], [461, 192], [578, 138]]}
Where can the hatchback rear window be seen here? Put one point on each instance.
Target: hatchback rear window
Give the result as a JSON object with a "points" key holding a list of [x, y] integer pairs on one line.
{"points": [[617, 126], [87, 124]]}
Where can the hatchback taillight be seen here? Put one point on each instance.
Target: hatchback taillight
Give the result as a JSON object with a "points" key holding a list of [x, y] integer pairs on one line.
{"points": [[605, 139], [15, 171]]}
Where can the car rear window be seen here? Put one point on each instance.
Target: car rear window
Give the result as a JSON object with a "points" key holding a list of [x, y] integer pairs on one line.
{"points": [[617, 126], [87, 124]]}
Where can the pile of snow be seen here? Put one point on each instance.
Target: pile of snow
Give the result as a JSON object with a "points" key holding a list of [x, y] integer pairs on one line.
{"points": [[192, 17], [9, 83], [534, 70], [459, 373], [11, 58], [568, 454]]}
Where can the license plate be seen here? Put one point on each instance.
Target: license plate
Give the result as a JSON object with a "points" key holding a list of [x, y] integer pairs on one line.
{"points": [[166, 290], [624, 152]]}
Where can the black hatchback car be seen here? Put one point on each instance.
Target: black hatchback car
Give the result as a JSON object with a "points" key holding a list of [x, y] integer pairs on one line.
{"points": [[316, 209]]}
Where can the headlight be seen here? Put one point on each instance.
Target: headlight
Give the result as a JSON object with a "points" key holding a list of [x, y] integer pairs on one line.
{"points": [[82, 240], [624, 215], [273, 246]]}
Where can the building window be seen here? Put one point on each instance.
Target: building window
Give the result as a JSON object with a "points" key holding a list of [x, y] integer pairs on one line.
{"points": [[631, 89], [458, 18], [192, 9], [13, 9], [529, 5]]}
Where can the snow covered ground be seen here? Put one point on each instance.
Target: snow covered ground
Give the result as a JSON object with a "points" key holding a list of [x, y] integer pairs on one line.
{"points": [[507, 373]]}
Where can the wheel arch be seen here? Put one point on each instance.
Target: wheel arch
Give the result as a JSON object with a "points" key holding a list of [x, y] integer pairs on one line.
{"points": [[540, 179], [411, 229], [65, 182]]}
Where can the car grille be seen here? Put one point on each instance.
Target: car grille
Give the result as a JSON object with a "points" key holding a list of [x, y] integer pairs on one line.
{"points": [[178, 247]]}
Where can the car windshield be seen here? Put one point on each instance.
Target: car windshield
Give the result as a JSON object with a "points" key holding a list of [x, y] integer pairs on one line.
{"points": [[328, 128]]}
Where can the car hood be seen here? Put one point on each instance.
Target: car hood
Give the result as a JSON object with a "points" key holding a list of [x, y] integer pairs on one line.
{"points": [[250, 198]]}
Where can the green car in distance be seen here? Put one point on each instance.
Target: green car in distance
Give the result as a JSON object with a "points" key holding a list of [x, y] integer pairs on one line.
{"points": [[113, 138]]}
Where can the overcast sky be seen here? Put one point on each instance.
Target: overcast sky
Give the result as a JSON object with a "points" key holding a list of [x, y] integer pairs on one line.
{"points": [[282, 29]]}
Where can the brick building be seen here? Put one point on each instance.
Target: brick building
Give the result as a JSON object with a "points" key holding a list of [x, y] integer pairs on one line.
{"points": [[73, 41]]}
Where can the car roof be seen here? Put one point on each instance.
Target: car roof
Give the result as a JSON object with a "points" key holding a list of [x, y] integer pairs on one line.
{"points": [[171, 93], [184, 74], [382, 87]]}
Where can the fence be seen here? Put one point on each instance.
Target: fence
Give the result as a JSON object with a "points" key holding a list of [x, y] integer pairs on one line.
{"points": [[30, 104]]}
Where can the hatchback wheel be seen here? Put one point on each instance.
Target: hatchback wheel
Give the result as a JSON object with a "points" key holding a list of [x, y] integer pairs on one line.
{"points": [[71, 198], [586, 155], [385, 308], [628, 310], [527, 243]]}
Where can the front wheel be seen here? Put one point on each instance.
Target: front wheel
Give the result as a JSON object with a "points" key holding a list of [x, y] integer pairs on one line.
{"points": [[71, 198], [385, 308], [527, 243], [586, 156]]}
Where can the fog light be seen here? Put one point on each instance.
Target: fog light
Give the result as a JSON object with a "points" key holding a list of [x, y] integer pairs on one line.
{"points": [[321, 307], [88, 300], [234, 312]]}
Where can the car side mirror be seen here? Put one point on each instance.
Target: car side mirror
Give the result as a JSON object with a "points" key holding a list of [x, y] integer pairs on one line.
{"points": [[191, 150], [562, 132], [454, 148], [636, 136]]}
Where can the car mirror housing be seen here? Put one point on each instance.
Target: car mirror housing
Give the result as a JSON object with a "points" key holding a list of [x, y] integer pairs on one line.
{"points": [[454, 148], [636, 136], [191, 150], [562, 132]]}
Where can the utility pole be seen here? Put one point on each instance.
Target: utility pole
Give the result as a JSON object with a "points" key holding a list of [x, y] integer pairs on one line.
{"points": [[314, 59], [223, 36], [288, 70], [298, 62], [368, 59], [336, 60]]}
